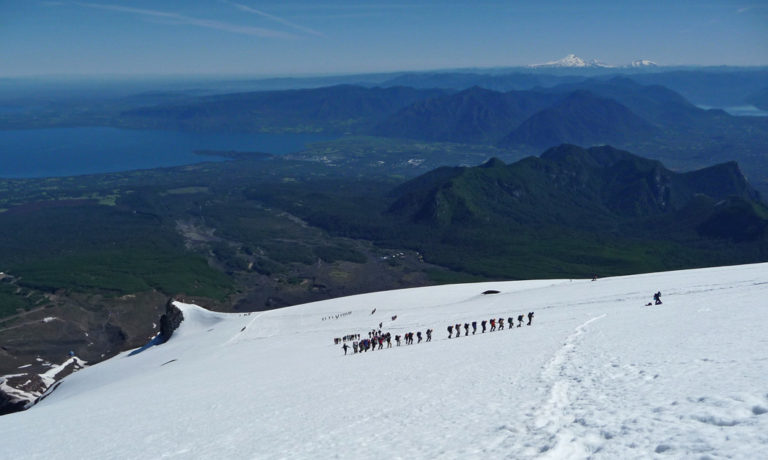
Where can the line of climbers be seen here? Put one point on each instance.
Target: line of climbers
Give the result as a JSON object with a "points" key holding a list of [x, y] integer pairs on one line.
{"points": [[337, 315], [377, 339], [493, 322]]}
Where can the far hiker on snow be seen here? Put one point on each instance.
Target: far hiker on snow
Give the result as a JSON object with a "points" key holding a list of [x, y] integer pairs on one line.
{"points": [[530, 318], [657, 298]]}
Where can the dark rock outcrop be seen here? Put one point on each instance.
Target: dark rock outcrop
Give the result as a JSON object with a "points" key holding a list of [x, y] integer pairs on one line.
{"points": [[10, 404], [170, 321]]}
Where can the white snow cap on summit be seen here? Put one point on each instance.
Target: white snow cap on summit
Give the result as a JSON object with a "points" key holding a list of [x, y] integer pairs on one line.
{"points": [[643, 63], [572, 61]]}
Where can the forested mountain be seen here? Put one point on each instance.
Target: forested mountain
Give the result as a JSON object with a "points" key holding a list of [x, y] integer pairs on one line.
{"points": [[596, 188], [475, 115], [581, 118], [335, 109]]}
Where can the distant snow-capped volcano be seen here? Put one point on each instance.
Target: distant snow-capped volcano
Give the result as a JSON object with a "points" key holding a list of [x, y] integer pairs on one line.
{"points": [[643, 63], [572, 61]]}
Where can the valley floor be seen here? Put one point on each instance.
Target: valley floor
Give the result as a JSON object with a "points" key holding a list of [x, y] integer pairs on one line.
{"points": [[598, 374]]}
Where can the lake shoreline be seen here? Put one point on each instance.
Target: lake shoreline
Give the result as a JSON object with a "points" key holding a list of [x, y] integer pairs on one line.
{"points": [[62, 152]]}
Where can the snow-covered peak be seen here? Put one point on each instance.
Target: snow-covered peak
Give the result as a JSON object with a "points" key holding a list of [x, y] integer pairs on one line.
{"points": [[643, 63], [572, 61], [598, 63]]}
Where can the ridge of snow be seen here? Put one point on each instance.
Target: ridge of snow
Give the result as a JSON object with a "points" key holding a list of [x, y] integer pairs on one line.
{"points": [[20, 395], [49, 376], [598, 374]]}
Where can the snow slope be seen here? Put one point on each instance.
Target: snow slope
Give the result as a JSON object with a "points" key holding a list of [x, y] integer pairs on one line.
{"points": [[598, 374]]}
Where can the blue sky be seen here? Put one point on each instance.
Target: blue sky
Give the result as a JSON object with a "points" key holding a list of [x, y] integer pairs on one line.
{"points": [[316, 37]]}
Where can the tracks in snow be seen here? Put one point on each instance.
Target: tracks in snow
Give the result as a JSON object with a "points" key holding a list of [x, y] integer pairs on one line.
{"points": [[245, 328], [549, 434]]}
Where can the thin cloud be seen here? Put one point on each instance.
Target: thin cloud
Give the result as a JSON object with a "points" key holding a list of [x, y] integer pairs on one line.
{"points": [[278, 19], [363, 6], [756, 8], [181, 19]]}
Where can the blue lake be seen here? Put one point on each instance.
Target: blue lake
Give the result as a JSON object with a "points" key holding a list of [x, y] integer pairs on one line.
{"points": [[91, 150]]}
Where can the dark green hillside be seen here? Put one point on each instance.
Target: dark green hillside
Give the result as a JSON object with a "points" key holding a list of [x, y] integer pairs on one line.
{"points": [[334, 109], [567, 185], [574, 210], [571, 212], [581, 118], [82, 246]]}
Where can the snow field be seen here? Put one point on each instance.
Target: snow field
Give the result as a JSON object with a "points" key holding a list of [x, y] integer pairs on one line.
{"points": [[598, 374]]}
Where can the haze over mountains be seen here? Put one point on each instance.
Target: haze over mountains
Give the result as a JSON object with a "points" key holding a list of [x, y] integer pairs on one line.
{"points": [[647, 119]]}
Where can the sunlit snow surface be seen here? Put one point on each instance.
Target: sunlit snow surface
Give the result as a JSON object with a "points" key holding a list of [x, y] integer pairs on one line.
{"points": [[598, 374]]}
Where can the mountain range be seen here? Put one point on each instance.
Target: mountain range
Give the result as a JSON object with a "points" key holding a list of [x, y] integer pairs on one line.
{"points": [[573, 61], [473, 115], [580, 188], [338, 109], [580, 118]]}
